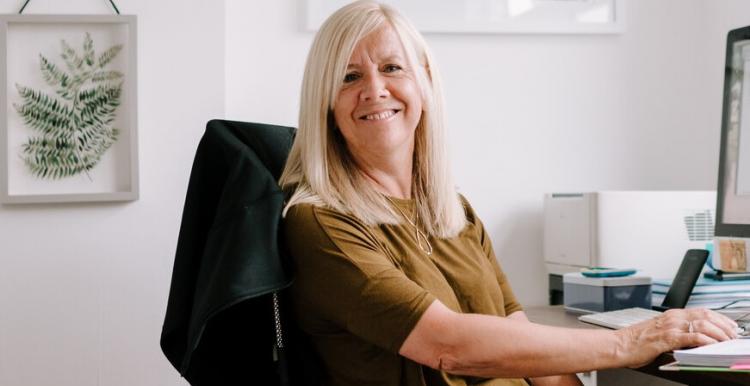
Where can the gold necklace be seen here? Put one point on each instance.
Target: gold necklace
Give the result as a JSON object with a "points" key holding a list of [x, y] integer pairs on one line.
{"points": [[417, 231]]}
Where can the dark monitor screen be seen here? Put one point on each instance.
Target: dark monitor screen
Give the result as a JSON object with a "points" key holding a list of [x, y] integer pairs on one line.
{"points": [[733, 191]]}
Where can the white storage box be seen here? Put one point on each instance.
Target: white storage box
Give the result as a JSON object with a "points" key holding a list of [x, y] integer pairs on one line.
{"points": [[588, 294]]}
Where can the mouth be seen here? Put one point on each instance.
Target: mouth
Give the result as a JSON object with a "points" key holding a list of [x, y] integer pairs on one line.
{"points": [[380, 115]]}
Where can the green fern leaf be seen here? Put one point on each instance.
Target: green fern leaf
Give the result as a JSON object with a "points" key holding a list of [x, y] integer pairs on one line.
{"points": [[52, 157], [52, 75], [72, 60], [88, 50], [66, 93], [44, 123], [42, 112], [98, 141], [103, 76], [79, 79], [100, 103], [108, 55]]}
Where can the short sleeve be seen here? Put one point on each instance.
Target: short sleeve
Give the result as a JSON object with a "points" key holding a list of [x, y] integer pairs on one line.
{"points": [[511, 304], [346, 280]]}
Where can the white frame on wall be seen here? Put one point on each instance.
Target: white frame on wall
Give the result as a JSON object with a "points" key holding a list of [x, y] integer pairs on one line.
{"points": [[115, 177], [496, 16]]}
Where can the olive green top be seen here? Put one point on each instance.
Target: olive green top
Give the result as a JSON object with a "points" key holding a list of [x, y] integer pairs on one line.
{"points": [[360, 290]]}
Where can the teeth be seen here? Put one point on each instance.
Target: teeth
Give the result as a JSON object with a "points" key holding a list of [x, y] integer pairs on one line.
{"points": [[379, 116]]}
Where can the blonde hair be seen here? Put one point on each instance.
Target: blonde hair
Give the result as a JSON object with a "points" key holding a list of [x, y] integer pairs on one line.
{"points": [[320, 169]]}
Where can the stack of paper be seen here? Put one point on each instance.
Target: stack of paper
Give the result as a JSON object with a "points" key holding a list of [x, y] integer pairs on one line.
{"points": [[723, 354], [706, 293]]}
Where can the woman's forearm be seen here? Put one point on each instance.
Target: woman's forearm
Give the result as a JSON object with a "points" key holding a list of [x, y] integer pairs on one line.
{"points": [[493, 346], [551, 380], [501, 347]]}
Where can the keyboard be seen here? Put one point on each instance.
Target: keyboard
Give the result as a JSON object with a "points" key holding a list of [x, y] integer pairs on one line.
{"points": [[623, 318], [620, 318]]}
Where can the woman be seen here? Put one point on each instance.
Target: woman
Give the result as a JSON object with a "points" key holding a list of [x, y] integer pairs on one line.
{"points": [[397, 281]]}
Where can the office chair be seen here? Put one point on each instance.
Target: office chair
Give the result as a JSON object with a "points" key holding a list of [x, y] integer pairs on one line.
{"points": [[227, 322]]}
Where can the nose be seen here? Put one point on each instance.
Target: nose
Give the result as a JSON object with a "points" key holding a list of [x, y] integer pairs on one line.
{"points": [[375, 87]]}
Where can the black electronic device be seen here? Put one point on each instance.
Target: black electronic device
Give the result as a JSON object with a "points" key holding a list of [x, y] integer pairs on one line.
{"points": [[732, 202], [732, 230], [683, 283]]}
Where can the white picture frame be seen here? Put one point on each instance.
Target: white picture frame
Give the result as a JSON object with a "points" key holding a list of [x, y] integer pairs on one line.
{"points": [[111, 174], [495, 16]]}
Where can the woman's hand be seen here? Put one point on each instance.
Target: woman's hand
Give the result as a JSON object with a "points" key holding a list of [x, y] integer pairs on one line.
{"points": [[674, 329]]}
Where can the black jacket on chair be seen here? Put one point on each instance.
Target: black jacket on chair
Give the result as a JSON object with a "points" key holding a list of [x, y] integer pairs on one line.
{"points": [[219, 323]]}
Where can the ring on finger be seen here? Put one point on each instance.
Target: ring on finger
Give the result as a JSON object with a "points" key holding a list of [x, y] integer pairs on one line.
{"points": [[690, 327]]}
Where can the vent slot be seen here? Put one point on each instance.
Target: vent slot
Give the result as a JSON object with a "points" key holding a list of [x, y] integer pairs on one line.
{"points": [[700, 225]]}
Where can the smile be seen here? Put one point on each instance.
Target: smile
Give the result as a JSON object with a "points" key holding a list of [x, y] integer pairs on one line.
{"points": [[379, 116]]}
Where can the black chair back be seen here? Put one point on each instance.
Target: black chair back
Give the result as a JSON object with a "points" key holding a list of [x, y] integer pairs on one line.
{"points": [[219, 327]]}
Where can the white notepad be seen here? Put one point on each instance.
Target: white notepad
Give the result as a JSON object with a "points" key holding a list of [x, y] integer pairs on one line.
{"points": [[722, 354]]}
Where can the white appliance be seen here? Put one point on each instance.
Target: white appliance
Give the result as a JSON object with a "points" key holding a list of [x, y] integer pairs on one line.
{"points": [[646, 230]]}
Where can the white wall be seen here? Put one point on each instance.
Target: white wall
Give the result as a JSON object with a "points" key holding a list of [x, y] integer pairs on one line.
{"points": [[533, 114], [83, 287]]}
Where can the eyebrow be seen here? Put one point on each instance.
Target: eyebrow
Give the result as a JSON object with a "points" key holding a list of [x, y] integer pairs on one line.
{"points": [[389, 58]]}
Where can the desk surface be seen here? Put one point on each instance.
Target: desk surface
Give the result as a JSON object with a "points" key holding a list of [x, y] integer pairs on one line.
{"points": [[556, 316]]}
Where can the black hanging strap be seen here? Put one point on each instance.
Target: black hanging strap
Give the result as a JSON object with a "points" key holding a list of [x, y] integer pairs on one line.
{"points": [[27, 3], [113, 6], [24, 6]]}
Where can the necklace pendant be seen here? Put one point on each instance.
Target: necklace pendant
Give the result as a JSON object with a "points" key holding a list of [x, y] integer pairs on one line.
{"points": [[417, 233]]}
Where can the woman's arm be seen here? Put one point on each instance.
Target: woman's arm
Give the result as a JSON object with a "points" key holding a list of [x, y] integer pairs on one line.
{"points": [[491, 346], [552, 380]]}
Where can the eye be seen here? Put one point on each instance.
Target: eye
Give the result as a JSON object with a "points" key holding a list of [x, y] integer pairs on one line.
{"points": [[391, 68], [351, 77]]}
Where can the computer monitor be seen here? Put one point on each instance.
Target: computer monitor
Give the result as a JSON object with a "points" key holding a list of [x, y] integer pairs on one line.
{"points": [[732, 232]]}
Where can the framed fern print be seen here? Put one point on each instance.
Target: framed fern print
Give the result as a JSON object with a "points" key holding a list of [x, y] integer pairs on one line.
{"points": [[68, 108]]}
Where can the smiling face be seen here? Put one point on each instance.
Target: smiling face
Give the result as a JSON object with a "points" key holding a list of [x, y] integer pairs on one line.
{"points": [[379, 104]]}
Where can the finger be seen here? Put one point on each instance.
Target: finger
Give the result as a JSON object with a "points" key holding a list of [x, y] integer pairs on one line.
{"points": [[680, 319], [696, 339], [726, 324], [705, 313], [710, 329], [732, 323]]}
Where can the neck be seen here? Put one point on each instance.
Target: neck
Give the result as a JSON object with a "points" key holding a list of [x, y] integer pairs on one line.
{"points": [[394, 184], [392, 176]]}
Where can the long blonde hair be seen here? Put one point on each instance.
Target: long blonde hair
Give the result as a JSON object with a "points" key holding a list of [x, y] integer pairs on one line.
{"points": [[320, 169]]}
